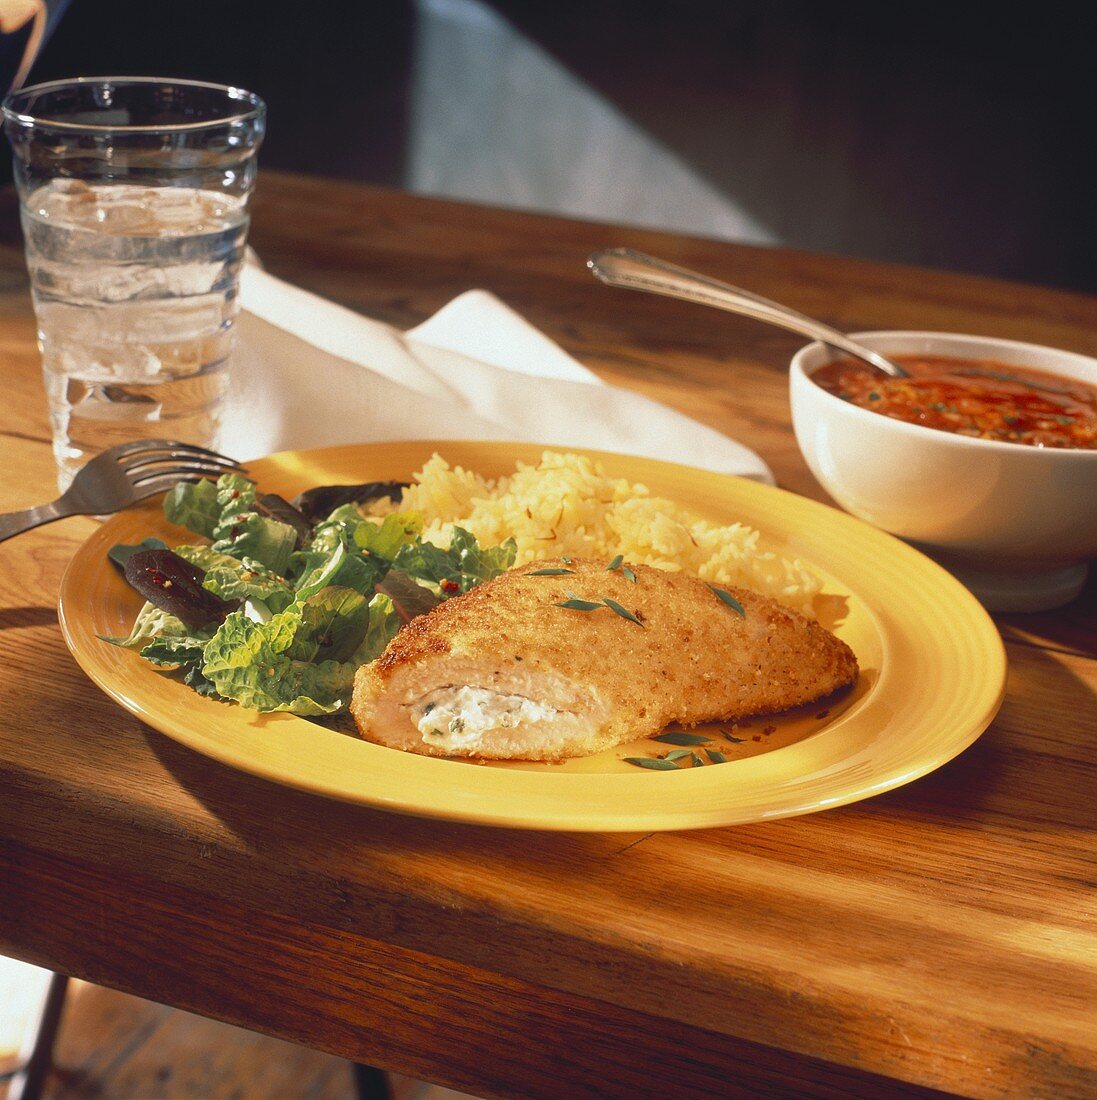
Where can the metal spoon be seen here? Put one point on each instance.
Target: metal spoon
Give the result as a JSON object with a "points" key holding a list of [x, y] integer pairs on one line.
{"points": [[635, 271]]}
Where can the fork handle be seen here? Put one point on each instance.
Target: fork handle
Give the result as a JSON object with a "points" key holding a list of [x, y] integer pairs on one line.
{"points": [[15, 523]]}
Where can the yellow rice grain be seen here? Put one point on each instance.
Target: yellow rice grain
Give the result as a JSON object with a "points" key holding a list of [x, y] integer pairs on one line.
{"points": [[567, 505]]}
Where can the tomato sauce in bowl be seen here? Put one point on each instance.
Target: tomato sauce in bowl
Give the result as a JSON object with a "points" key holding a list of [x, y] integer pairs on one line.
{"points": [[973, 397]]}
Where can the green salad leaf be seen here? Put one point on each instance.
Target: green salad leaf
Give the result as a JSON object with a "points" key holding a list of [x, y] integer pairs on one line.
{"points": [[387, 539], [250, 663], [477, 563], [463, 566], [193, 505], [311, 611], [193, 678], [332, 624], [337, 529], [224, 511], [150, 623], [235, 493], [250, 535], [384, 622], [183, 651], [344, 568]]}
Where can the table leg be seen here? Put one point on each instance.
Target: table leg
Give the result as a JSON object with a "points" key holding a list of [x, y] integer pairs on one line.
{"points": [[37, 1054], [371, 1083]]}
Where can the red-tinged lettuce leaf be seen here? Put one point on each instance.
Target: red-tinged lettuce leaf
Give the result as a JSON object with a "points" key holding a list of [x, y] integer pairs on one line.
{"points": [[175, 585], [276, 507], [409, 599], [317, 504], [121, 553]]}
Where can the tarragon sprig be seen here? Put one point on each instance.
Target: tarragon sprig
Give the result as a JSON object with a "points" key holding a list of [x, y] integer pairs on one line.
{"points": [[617, 564], [729, 599], [679, 758], [577, 603]]}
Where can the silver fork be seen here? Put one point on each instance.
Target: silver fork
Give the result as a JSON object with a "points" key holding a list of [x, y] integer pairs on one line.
{"points": [[122, 476]]}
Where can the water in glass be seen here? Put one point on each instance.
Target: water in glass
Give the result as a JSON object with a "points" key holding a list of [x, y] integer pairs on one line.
{"points": [[135, 297]]}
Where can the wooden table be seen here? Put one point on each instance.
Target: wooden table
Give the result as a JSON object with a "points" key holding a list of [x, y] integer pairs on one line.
{"points": [[939, 936]]}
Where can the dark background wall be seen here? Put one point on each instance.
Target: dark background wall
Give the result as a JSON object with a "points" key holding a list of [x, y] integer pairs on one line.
{"points": [[957, 137], [328, 72]]}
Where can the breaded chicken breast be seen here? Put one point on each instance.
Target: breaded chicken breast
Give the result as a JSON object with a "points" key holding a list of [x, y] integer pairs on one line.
{"points": [[506, 672]]}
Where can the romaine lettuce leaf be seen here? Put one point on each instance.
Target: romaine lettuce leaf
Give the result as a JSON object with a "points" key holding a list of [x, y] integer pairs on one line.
{"points": [[250, 535], [384, 622], [177, 651], [205, 557], [333, 623], [194, 679], [235, 493], [150, 623], [252, 582], [225, 512], [249, 663], [193, 505]]}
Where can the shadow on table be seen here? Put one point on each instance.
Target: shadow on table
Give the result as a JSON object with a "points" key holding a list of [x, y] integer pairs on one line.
{"points": [[24, 618], [1033, 767], [989, 844], [1026, 768]]}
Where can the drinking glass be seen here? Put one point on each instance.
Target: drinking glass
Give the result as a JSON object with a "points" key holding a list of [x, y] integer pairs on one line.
{"points": [[133, 199]]}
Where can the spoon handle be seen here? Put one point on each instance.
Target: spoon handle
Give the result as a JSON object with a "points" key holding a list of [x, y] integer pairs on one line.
{"points": [[636, 271]]}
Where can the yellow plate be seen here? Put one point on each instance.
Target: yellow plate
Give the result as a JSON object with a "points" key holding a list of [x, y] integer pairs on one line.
{"points": [[933, 673]]}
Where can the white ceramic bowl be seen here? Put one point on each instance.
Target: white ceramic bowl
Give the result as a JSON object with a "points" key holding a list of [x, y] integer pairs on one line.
{"points": [[1017, 524]]}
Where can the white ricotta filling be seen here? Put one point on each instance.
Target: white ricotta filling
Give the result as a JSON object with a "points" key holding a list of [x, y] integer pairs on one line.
{"points": [[459, 717]]}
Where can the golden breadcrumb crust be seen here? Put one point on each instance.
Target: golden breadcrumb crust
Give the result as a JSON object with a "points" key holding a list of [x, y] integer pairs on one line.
{"points": [[693, 659]]}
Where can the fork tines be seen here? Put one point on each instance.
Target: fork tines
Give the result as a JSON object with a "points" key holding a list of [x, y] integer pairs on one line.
{"points": [[159, 446], [147, 457], [151, 465]]}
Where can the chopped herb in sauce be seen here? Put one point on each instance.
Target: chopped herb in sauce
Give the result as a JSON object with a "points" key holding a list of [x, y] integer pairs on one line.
{"points": [[682, 758], [678, 737]]}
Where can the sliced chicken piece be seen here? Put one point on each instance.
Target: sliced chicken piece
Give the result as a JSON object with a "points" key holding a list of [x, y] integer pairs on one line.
{"points": [[505, 672]]}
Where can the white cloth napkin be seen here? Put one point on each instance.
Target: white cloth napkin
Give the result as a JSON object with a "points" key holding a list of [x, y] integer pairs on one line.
{"points": [[310, 373]]}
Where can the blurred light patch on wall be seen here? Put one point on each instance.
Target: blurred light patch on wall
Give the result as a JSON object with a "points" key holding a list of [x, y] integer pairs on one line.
{"points": [[495, 119]]}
